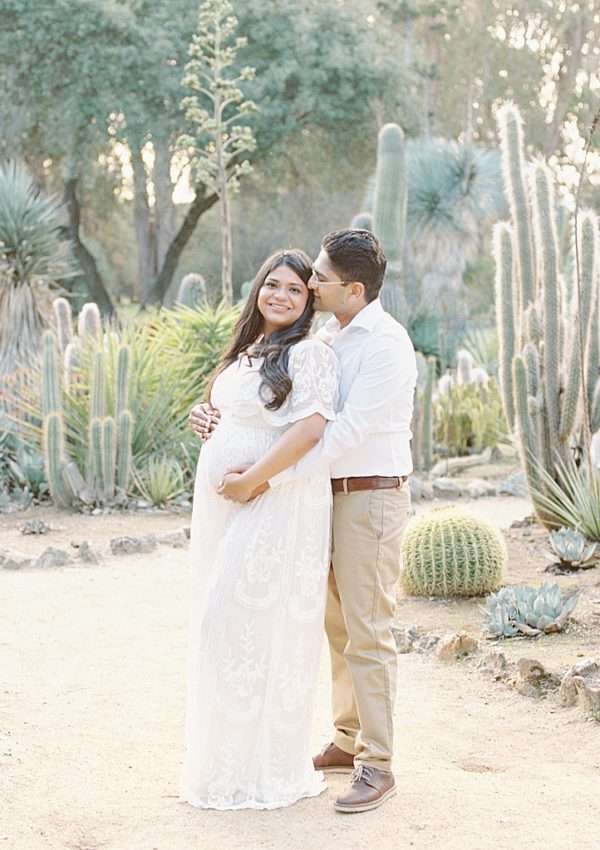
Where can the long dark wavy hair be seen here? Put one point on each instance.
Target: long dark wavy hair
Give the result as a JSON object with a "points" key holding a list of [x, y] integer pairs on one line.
{"points": [[275, 349]]}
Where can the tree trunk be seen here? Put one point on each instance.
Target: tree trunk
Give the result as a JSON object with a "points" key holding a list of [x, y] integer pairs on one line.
{"points": [[144, 234], [85, 259], [163, 188], [198, 207], [226, 247]]}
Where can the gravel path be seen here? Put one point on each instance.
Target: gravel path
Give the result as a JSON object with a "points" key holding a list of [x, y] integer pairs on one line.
{"points": [[92, 665]]}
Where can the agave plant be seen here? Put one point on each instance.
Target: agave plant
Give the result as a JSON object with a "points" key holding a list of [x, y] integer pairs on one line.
{"points": [[187, 344], [520, 609], [160, 480], [573, 499], [572, 549], [33, 256]]}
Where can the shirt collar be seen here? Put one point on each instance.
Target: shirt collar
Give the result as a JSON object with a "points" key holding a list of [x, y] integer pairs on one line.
{"points": [[367, 319]]}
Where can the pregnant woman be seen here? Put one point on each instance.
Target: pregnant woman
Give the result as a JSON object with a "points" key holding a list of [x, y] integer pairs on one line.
{"points": [[259, 569]]}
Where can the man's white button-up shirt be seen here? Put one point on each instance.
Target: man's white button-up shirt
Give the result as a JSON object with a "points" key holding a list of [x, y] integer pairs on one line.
{"points": [[371, 433]]}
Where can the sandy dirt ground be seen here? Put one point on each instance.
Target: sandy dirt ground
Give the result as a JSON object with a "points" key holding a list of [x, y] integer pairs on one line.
{"points": [[92, 667]]}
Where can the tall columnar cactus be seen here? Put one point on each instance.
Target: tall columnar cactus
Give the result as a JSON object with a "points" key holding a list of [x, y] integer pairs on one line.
{"points": [[540, 319], [109, 457], [450, 552], [510, 126], [422, 421], [110, 437], [51, 395], [124, 449], [192, 290], [389, 209], [389, 213], [54, 458], [98, 390], [90, 321], [123, 370], [95, 470], [72, 361], [63, 317], [427, 405]]}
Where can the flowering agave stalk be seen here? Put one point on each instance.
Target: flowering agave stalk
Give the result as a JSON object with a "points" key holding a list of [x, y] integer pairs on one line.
{"points": [[572, 549], [527, 610], [219, 113]]}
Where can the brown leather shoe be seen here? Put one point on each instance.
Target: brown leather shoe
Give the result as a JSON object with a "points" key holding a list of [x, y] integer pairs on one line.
{"points": [[370, 788], [333, 760]]}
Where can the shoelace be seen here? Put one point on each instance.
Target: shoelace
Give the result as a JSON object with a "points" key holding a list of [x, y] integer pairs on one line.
{"points": [[363, 771]]}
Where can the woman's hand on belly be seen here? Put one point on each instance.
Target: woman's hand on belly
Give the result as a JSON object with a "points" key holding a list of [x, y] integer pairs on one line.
{"points": [[236, 487]]}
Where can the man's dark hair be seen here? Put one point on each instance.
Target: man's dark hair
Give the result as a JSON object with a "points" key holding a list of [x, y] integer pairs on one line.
{"points": [[357, 255]]}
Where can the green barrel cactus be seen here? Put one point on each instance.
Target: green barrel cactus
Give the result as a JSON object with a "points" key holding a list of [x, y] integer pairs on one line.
{"points": [[450, 552]]}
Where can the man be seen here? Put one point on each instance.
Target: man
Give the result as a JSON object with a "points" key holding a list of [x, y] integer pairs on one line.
{"points": [[368, 450]]}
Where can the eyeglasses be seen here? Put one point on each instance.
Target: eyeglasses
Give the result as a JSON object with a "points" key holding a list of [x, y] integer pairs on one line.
{"points": [[317, 282]]}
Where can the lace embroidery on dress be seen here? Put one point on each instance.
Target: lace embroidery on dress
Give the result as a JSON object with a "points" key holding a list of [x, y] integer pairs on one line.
{"points": [[259, 575]]}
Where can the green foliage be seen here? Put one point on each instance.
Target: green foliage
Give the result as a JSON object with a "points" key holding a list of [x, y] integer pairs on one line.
{"points": [[33, 256], [449, 552], [160, 480], [33, 249], [469, 418], [189, 344], [21, 467], [520, 609], [127, 398]]}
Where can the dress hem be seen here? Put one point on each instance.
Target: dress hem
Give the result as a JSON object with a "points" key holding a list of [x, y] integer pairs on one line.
{"points": [[254, 804]]}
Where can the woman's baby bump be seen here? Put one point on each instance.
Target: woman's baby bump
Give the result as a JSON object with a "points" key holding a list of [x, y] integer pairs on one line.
{"points": [[232, 446]]}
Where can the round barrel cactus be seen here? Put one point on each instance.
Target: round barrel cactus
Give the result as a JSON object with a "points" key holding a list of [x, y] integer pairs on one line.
{"points": [[450, 552]]}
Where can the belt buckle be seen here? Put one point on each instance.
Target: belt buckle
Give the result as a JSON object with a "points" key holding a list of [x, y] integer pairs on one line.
{"points": [[345, 486]]}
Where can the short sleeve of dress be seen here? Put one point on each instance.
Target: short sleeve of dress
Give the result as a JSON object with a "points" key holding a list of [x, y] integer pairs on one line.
{"points": [[314, 371]]}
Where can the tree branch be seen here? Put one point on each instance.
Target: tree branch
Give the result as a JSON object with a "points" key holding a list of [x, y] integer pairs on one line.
{"points": [[198, 207]]}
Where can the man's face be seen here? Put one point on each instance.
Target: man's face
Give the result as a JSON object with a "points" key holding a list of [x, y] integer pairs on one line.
{"points": [[330, 297]]}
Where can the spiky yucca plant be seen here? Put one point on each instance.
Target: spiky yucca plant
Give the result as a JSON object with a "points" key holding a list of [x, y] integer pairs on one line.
{"points": [[33, 256], [189, 343]]}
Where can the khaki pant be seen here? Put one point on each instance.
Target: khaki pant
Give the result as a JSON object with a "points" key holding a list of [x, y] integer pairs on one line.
{"points": [[367, 529]]}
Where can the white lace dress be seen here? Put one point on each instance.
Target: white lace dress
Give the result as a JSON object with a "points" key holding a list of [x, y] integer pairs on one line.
{"points": [[258, 585]]}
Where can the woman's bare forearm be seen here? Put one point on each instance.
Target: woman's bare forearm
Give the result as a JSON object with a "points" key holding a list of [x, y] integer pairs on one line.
{"points": [[292, 445]]}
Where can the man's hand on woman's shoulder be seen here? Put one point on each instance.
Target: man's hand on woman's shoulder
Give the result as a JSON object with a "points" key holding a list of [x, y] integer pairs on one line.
{"points": [[203, 419]]}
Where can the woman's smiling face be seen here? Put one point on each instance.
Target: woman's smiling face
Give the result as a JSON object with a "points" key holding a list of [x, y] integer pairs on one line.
{"points": [[281, 299]]}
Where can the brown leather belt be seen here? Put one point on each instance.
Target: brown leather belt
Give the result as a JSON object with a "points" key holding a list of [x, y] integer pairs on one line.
{"points": [[373, 482]]}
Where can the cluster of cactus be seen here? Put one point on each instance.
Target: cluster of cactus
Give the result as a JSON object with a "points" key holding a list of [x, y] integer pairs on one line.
{"points": [[422, 421], [572, 549], [528, 610], [467, 374], [450, 552], [192, 290], [540, 319], [108, 464]]}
